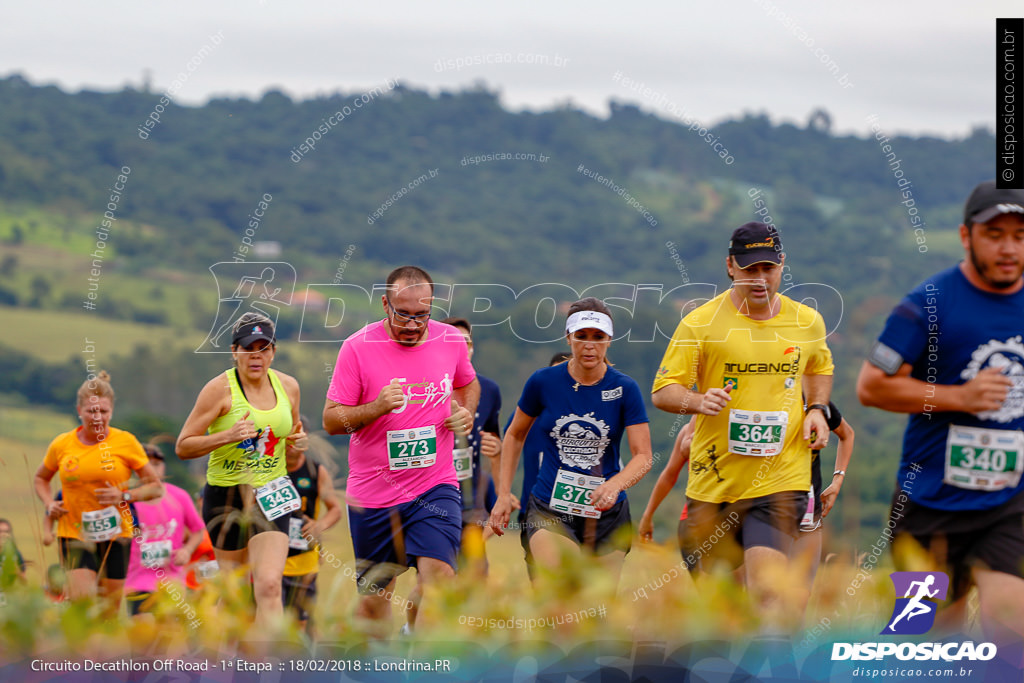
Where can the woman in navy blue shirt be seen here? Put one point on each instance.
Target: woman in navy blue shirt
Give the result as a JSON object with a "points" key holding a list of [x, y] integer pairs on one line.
{"points": [[579, 410]]}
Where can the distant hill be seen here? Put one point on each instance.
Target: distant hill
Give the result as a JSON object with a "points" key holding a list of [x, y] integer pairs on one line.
{"points": [[528, 208], [201, 173]]}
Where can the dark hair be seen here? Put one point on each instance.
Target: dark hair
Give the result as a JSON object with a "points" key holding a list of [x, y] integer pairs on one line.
{"points": [[589, 303], [459, 322], [7, 522], [152, 451], [559, 357], [411, 275]]}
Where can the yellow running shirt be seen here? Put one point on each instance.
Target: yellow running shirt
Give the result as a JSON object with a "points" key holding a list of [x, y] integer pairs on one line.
{"points": [[730, 458], [258, 460], [83, 469]]}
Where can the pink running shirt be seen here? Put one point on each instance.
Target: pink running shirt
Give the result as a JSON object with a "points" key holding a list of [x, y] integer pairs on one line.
{"points": [[367, 362], [162, 520]]}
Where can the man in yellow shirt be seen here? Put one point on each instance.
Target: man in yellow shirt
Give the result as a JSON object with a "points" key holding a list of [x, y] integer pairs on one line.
{"points": [[741, 363]]}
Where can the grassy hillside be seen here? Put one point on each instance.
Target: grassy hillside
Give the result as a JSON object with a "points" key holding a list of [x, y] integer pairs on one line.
{"points": [[58, 335]]}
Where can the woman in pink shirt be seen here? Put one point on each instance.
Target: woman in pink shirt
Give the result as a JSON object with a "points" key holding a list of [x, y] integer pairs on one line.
{"points": [[168, 531]]}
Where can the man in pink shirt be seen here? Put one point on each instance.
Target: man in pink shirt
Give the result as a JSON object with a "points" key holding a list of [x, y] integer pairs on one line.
{"points": [[402, 388]]}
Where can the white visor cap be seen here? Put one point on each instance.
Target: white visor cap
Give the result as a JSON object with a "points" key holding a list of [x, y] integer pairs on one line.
{"points": [[584, 319]]}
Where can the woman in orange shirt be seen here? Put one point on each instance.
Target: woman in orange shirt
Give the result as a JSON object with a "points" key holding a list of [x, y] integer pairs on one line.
{"points": [[94, 521]]}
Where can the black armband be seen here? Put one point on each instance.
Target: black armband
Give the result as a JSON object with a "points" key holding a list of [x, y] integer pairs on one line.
{"points": [[886, 359]]}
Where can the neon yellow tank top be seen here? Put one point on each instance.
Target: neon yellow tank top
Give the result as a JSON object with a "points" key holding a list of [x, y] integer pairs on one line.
{"points": [[258, 460]]}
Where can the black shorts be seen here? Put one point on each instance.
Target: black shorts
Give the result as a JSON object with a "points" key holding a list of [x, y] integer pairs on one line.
{"points": [[231, 526], [299, 593], [612, 531], [109, 559], [524, 540], [722, 531], [962, 539]]}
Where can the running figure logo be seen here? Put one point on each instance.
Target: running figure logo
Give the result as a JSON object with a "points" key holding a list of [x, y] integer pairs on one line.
{"points": [[710, 465], [914, 613], [261, 287]]}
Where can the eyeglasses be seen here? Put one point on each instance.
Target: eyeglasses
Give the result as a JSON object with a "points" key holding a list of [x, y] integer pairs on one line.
{"points": [[403, 318]]}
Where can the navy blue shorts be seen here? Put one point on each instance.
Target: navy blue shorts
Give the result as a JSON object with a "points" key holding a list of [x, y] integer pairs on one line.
{"points": [[389, 540]]}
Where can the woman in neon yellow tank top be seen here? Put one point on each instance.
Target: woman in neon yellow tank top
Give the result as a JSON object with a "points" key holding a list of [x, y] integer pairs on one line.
{"points": [[242, 419]]}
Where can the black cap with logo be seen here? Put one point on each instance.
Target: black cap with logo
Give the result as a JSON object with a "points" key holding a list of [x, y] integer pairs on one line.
{"points": [[252, 332], [756, 243]]}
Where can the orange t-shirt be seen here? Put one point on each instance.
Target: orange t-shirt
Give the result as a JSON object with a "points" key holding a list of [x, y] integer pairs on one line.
{"points": [[83, 469]]}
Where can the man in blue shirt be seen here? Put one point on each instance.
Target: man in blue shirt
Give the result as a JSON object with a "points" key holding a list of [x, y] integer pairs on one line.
{"points": [[485, 439], [951, 355]]}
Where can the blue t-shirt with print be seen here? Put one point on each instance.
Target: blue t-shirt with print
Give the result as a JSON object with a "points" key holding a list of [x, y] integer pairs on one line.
{"points": [[579, 429], [948, 330]]}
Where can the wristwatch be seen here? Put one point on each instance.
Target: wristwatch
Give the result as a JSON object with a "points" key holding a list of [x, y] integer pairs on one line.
{"points": [[820, 406], [126, 496]]}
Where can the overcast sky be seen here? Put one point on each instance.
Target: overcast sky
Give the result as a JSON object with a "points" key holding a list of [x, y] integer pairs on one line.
{"points": [[922, 67]]}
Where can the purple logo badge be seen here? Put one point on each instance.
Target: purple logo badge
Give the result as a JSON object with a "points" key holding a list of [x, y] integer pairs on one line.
{"points": [[917, 597]]}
